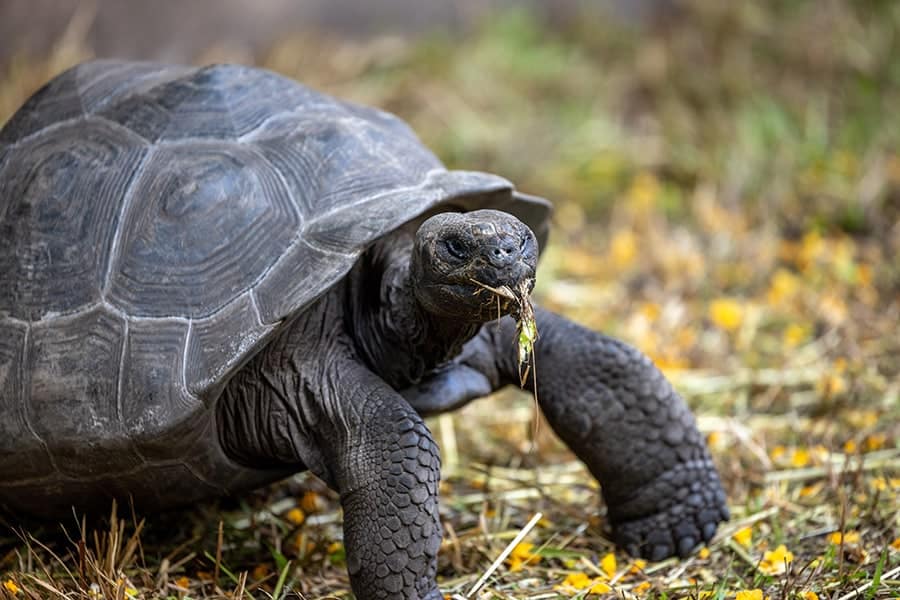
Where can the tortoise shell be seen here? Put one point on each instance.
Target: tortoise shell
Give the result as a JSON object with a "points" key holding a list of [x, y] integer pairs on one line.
{"points": [[157, 226]]}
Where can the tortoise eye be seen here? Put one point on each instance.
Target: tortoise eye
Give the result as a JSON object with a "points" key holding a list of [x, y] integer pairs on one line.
{"points": [[456, 248]]}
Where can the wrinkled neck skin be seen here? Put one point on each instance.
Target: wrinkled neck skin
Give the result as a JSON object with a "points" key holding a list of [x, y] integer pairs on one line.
{"points": [[394, 335]]}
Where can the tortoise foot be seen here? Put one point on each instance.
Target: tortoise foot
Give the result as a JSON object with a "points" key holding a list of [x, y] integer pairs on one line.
{"points": [[672, 515]]}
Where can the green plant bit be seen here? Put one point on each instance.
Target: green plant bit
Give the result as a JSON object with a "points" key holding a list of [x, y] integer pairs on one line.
{"points": [[526, 328], [526, 325]]}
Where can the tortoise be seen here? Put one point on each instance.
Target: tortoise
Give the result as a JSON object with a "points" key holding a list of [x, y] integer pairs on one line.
{"points": [[213, 278]]}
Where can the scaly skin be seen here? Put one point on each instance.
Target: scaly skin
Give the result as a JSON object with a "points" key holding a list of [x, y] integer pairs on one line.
{"points": [[618, 414], [309, 401], [621, 417], [322, 395], [387, 474]]}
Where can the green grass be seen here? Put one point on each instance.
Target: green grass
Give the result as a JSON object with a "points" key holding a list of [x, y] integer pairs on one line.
{"points": [[728, 193]]}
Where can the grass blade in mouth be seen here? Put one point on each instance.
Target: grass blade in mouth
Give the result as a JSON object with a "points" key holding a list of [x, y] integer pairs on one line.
{"points": [[526, 325], [526, 328]]}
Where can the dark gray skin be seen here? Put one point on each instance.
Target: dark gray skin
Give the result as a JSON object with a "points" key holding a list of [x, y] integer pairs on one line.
{"points": [[409, 318], [212, 278]]}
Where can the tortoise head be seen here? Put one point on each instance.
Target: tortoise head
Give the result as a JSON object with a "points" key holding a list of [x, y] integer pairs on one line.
{"points": [[461, 260]]}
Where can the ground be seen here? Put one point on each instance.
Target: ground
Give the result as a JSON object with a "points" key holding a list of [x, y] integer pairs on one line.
{"points": [[728, 198]]}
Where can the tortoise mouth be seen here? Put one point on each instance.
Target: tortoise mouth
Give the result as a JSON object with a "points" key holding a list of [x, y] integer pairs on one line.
{"points": [[473, 300]]}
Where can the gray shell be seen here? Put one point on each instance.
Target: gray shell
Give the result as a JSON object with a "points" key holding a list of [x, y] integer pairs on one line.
{"points": [[157, 225]]}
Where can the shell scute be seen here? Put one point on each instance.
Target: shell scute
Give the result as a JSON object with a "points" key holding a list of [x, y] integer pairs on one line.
{"points": [[74, 366], [206, 221], [158, 412], [29, 454], [214, 351], [59, 207]]}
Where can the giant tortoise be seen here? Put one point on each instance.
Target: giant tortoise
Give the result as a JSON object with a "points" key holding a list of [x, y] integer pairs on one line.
{"points": [[212, 278]]}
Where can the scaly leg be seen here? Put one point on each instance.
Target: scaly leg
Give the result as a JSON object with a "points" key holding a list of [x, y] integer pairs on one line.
{"points": [[619, 415]]}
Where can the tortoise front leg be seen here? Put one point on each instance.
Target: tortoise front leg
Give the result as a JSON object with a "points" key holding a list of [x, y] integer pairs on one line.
{"points": [[620, 416], [346, 425], [379, 455]]}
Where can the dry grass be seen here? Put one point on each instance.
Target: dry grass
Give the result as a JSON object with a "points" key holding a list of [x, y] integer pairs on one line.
{"points": [[728, 197]]}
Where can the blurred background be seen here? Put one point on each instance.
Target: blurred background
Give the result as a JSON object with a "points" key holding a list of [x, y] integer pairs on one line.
{"points": [[707, 150], [726, 178]]}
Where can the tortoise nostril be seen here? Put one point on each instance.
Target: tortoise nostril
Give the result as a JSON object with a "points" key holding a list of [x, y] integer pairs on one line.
{"points": [[502, 253]]}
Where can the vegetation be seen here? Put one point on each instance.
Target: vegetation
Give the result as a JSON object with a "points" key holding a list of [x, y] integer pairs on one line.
{"points": [[728, 200]]}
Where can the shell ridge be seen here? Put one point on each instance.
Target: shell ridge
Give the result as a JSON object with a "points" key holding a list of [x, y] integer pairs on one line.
{"points": [[14, 320], [222, 489], [47, 128], [310, 244], [256, 312], [353, 206], [120, 396], [115, 124], [115, 247], [250, 136], [184, 363], [112, 308], [134, 86], [25, 382], [61, 476]]}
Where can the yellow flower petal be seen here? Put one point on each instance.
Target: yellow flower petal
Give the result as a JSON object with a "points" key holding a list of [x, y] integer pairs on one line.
{"points": [[578, 580], [896, 544], [334, 547], [810, 595], [637, 566], [876, 441], [623, 248], [777, 452], [776, 562], [715, 439], [800, 457], [310, 502], [726, 313], [599, 587], [831, 385], [11, 586], [749, 595], [185, 583], [296, 516], [704, 552], [849, 537], [515, 564], [641, 588], [523, 550], [522, 555], [782, 288], [810, 490], [608, 564], [795, 334], [643, 192], [744, 536]]}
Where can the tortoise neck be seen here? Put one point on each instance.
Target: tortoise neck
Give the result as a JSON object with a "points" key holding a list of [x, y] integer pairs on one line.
{"points": [[395, 335]]}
